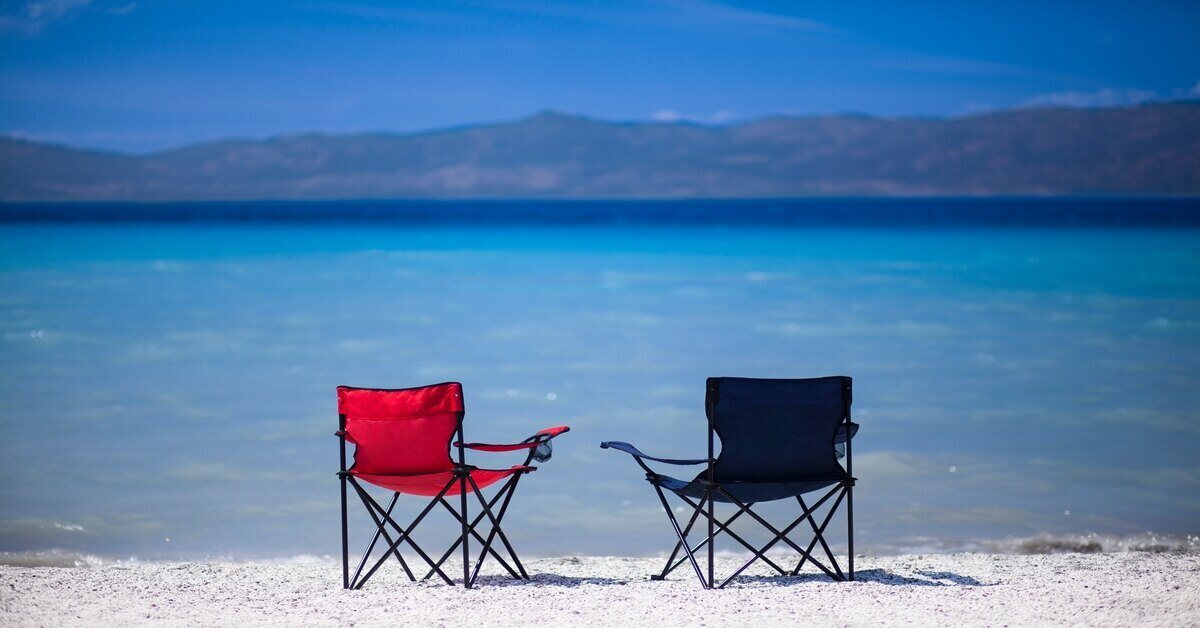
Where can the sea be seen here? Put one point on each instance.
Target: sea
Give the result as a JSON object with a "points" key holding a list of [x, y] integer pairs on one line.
{"points": [[1026, 370]]}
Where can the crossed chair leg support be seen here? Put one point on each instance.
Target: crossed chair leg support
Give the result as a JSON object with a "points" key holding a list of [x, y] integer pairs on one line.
{"points": [[704, 507], [400, 534]]}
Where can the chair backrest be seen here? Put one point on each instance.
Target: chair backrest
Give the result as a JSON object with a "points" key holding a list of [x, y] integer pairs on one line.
{"points": [[777, 430], [404, 431]]}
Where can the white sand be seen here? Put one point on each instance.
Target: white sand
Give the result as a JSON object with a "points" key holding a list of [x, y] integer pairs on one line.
{"points": [[977, 589]]}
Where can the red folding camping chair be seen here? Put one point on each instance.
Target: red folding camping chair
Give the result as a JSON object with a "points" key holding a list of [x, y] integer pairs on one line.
{"points": [[402, 440]]}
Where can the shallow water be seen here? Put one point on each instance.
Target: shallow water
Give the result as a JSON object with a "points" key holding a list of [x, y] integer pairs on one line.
{"points": [[167, 389]]}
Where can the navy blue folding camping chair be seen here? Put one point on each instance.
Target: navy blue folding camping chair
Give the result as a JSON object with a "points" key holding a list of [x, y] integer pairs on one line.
{"points": [[780, 439]]}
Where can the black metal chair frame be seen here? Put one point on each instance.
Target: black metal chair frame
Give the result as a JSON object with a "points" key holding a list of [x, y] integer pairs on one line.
{"points": [[705, 507], [382, 517]]}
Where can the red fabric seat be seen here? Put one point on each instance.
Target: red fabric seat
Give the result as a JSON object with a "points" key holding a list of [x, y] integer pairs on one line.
{"points": [[430, 484]]}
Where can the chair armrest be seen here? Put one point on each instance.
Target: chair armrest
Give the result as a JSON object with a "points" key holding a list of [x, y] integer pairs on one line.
{"points": [[633, 451], [529, 443], [841, 432], [496, 447], [549, 433]]}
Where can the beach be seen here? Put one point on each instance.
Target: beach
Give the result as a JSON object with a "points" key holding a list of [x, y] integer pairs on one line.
{"points": [[1124, 588]]}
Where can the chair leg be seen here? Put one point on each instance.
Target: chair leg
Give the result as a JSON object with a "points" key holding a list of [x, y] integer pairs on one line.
{"points": [[850, 529], [356, 583], [379, 531], [819, 533], [382, 518], [671, 564], [500, 532], [471, 528], [404, 533], [462, 493], [724, 527], [779, 536], [496, 530], [703, 506], [712, 541], [682, 539], [345, 540], [721, 527]]}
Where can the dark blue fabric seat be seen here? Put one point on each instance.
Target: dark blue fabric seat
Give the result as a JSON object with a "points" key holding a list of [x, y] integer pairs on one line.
{"points": [[745, 492]]}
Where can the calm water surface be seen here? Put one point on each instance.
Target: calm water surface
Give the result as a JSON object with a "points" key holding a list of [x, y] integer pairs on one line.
{"points": [[167, 390]]}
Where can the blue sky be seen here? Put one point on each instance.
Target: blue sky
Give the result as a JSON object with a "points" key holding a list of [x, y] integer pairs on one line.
{"points": [[141, 75]]}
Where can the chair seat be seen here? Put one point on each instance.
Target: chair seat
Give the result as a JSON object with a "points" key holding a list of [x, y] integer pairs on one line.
{"points": [[746, 492], [430, 484]]}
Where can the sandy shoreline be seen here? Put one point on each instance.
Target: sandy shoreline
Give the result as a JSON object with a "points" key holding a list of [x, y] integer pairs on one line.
{"points": [[977, 589]]}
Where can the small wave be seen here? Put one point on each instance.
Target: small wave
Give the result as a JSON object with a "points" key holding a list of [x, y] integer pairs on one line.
{"points": [[301, 559], [1095, 544], [64, 558], [54, 558]]}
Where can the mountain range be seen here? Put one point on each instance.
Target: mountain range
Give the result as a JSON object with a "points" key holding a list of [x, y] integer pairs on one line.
{"points": [[1151, 149]]}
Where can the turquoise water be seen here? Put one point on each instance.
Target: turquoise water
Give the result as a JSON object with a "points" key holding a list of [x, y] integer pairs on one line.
{"points": [[167, 390]]}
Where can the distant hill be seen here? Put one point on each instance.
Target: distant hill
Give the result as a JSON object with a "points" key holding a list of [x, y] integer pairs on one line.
{"points": [[1145, 149]]}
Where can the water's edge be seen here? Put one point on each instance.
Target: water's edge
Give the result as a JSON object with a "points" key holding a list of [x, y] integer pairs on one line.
{"points": [[1034, 545]]}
